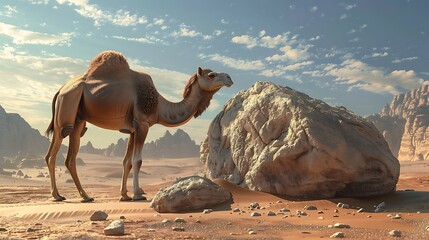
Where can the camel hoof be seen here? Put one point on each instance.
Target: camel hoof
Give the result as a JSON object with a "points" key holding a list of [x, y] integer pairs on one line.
{"points": [[87, 200], [139, 198], [58, 199], [125, 199]]}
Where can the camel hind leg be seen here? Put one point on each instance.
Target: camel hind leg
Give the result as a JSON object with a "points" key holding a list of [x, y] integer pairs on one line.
{"points": [[139, 138], [70, 163], [127, 168], [51, 158]]}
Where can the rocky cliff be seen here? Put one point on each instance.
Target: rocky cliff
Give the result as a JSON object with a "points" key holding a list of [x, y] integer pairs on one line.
{"points": [[17, 135], [405, 124], [274, 139]]}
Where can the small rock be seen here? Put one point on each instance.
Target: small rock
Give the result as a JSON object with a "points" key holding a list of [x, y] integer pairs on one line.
{"points": [[94, 223], [178, 229], [157, 215], [336, 211], [262, 208], [310, 207], [320, 212], [236, 210], [301, 213], [360, 210], [207, 211], [166, 221], [337, 235], [320, 218], [229, 223], [279, 201], [122, 217], [397, 216], [335, 215], [270, 213], [69, 180], [2, 229], [151, 230], [395, 233], [234, 234], [284, 210], [99, 216], [341, 225], [179, 220], [30, 229], [115, 228], [255, 214], [254, 205], [198, 221], [252, 232]]}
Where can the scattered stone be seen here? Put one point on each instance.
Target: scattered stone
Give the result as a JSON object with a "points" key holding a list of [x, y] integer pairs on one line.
{"points": [[284, 210], [236, 210], [3, 229], [234, 234], [254, 205], [40, 175], [337, 235], [31, 229], [255, 214], [190, 193], [151, 230], [343, 205], [301, 213], [341, 225], [427, 228], [397, 216], [165, 221], [320, 218], [310, 207], [157, 215], [335, 215], [270, 213], [26, 176], [99, 216], [279, 201], [122, 217], [395, 233], [115, 228], [229, 223], [94, 223], [69, 180], [252, 232], [360, 210], [179, 220], [262, 208], [336, 211], [178, 229], [207, 211], [320, 212]]}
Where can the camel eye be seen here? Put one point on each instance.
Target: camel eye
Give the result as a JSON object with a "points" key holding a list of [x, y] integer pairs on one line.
{"points": [[212, 75]]}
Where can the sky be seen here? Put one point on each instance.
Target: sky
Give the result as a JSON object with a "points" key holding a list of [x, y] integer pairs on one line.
{"points": [[356, 54]]}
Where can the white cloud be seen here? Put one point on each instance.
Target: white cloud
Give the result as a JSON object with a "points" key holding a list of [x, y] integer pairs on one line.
{"points": [[273, 42], [356, 39], [217, 32], [223, 21], [140, 39], [9, 11], [290, 54], [38, 2], [235, 63], [262, 33], [21, 36], [247, 40], [360, 75], [348, 7], [185, 31], [296, 66], [404, 59], [314, 38], [343, 16], [158, 21], [377, 54], [92, 11], [313, 9]]}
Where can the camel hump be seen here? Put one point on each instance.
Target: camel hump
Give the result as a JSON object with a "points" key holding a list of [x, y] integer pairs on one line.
{"points": [[108, 64]]}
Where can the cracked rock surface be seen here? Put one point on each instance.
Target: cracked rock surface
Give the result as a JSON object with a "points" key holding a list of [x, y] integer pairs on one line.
{"points": [[277, 140]]}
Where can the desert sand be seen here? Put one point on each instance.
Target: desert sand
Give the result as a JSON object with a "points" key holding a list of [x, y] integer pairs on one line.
{"points": [[27, 212]]}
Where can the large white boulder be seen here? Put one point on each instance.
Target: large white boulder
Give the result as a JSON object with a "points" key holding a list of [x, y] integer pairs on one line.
{"points": [[274, 139]]}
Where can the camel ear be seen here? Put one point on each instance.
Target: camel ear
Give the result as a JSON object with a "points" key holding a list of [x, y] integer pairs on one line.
{"points": [[200, 71]]}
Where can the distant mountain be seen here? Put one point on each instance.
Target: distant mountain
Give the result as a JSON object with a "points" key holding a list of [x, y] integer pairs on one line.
{"points": [[177, 145], [405, 124], [16, 135]]}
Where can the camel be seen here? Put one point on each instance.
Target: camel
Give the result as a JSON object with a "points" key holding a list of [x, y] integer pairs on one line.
{"points": [[112, 96]]}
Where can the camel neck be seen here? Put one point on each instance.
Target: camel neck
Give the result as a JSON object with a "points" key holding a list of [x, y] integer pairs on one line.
{"points": [[172, 114]]}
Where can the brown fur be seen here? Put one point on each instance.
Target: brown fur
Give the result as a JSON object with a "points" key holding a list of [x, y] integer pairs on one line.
{"points": [[108, 64], [147, 98], [206, 95]]}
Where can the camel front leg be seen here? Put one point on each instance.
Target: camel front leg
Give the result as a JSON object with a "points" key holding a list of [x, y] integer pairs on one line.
{"points": [[139, 138], [127, 168], [71, 158], [51, 158]]}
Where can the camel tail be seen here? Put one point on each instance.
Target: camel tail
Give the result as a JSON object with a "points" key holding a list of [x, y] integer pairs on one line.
{"points": [[50, 128]]}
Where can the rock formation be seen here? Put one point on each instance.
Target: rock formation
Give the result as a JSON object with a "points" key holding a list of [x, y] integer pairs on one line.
{"points": [[89, 148], [274, 139], [191, 193], [405, 124]]}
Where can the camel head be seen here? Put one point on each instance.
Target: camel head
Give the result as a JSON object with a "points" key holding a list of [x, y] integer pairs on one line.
{"points": [[212, 81]]}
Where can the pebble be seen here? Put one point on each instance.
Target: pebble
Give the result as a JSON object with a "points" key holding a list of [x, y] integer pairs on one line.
{"points": [[320, 218], [178, 229], [151, 230], [310, 207], [254, 205], [395, 233], [252, 232], [122, 217], [99, 216], [337, 235], [166, 221], [30, 229], [179, 220], [2, 229], [336, 211], [360, 210], [427, 228], [397, 216], [236, 210], [207, 211], [343, 205], [341, 225], [115, 228], [279, 201], [300, 213], [320, 212], [284, 210], [271, 213], [255, 214], [234, 234]]}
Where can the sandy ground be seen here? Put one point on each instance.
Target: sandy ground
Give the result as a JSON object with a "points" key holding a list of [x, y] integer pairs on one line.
{"points": [[27, 212]]}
